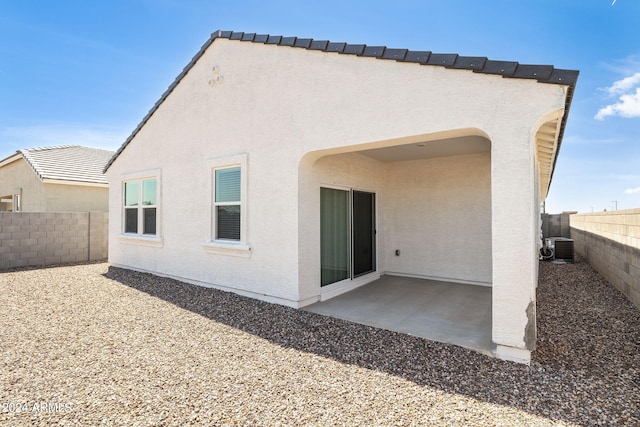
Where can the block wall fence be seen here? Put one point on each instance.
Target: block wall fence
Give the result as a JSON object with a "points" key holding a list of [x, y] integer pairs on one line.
{"points": [[610, 242], [45, 238], [556, 225]]}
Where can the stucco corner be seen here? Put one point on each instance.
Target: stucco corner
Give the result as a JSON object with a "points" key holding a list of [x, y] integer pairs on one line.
{"points": [[530, 330]]}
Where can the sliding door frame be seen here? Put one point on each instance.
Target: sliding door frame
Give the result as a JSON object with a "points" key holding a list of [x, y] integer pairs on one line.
{"points": [[353, 281]]}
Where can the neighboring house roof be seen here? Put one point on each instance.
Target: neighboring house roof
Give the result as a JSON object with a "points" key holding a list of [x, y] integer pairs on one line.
{"points": [[478, 64], [65, 164]]}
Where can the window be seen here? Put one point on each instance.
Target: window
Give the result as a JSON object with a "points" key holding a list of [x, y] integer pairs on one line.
{"points": [[227, 204], [228, 232], [140, 206]]}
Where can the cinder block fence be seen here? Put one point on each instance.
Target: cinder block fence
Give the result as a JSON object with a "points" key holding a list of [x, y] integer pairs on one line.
{"points": [[45, 238], [610, 241]]}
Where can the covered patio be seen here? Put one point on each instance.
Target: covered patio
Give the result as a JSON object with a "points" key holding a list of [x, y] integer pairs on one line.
{"points": [[447, 312]]}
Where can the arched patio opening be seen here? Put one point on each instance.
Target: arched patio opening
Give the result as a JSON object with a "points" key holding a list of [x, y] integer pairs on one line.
{"points": [[418, 212]]}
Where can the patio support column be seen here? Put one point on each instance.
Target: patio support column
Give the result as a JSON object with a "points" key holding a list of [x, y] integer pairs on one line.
{"points": [[514, 246]]}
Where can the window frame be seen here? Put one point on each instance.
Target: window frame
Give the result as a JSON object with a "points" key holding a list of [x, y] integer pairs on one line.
{"points": [[212, 244], [216, 204], [139, 237], [17, 202]]}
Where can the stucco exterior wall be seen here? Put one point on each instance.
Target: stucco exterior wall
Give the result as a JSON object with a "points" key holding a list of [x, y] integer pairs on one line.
{"points": [[37, 196], [437, 212], [286, 108], [19, 174], [346, 171], [76, 198]]}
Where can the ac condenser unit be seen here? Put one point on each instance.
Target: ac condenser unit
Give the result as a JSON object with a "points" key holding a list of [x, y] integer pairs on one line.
{"points": [[563, 249]]}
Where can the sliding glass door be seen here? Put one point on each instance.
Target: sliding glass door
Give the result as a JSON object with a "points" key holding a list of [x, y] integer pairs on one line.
{"points": [[347, 234], [335, 235], [364, 233]]}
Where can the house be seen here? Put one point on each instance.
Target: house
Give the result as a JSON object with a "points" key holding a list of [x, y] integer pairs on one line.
{"points": [[65, 178], [292, 170]]}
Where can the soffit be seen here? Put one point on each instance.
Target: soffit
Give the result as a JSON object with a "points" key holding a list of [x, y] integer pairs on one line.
{"points": [[547, 147], [430, 149]]}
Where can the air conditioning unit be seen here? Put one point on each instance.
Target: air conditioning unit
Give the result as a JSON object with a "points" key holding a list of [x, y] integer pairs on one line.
{"points": [[562, 248]]}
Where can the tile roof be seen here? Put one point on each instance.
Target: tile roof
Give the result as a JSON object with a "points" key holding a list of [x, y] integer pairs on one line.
{"points": [[477, 64], [68, 163]]}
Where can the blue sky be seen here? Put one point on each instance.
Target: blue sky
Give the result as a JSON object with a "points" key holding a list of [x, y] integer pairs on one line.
{"points": [[86, 72]]}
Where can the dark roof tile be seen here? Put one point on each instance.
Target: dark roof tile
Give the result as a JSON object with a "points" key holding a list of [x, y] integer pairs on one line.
{"points": [[443, 59], [376, 51], [335, 47], [503, 68], [319, 44], [303, 43], [274, 39], [261, 38], [397, 54], [236, 36], [470, 63], [419, 56], [538, 72], [354, 49], [563, 76], [287, 41]]}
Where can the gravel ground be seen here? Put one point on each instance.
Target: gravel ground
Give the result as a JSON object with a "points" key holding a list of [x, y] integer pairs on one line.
{"points": [[94, 345]]}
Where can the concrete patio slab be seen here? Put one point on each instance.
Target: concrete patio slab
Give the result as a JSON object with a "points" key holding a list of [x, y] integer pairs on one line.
{"points": [[451, 313]]}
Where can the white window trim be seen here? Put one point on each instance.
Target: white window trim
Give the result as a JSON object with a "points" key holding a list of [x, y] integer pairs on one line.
{"points": [[17, 202], [135, 238], [212, 245], [141, 239]]}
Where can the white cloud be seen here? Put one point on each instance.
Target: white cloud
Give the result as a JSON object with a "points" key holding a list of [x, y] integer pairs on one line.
{"points": [[624, 85], [628, 92], [628, 105], [632, 190]]}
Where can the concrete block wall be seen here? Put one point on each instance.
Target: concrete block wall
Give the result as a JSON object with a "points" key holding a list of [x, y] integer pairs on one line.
{"points": [[45, 238], [556, 225], [610, 241]]}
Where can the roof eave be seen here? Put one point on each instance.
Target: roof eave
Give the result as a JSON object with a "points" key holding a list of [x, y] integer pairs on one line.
{"points": [[77, 183], [567, 107], [10, 159]]}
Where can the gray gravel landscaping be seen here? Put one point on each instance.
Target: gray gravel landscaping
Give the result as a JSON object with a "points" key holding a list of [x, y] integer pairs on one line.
{"points": [[97, 345]]}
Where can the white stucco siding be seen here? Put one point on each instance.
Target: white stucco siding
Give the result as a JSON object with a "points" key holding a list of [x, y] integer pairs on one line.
{"points": [[38, 196], [515, 208], [344, 171], [19, 174], [437, 212], [185, 223], [184, 137], [76, 198], [285, 107], [310, 100]]}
